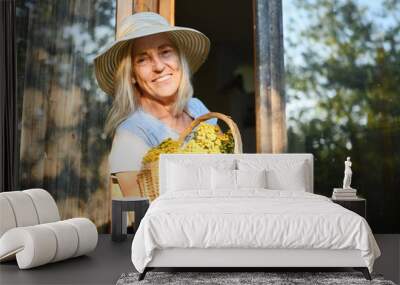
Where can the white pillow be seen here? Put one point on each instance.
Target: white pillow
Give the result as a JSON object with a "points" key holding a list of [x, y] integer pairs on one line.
{"points": [[183, 178], [251, 178], [237, 179], [282, 174], [292, 180], [223, 179], [202, 160]]}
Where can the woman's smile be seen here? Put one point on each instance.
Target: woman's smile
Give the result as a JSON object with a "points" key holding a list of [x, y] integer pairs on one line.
{"points": [[163, 78]]}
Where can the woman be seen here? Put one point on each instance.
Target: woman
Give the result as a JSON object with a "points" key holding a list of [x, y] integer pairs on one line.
{"points": [[147, 70]]}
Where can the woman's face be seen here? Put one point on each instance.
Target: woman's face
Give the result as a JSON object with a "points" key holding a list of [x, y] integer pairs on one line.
{"points": [[156, 66]]}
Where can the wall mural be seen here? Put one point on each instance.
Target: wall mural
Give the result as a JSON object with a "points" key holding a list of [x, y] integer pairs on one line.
{"points": [[342, 89]]}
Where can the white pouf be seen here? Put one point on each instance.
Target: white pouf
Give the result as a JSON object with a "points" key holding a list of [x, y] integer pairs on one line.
{"points": [[31, 230]]}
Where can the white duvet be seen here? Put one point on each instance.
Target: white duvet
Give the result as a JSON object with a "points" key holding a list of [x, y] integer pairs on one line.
{"points": [[253, 218]]}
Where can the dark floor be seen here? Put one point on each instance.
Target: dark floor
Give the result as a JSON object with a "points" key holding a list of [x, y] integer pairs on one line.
{"points": [[103, 266], [389, 262], [111, 259]]}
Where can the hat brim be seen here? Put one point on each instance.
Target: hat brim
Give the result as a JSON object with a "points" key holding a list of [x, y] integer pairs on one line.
{"points": [[192, 43]]}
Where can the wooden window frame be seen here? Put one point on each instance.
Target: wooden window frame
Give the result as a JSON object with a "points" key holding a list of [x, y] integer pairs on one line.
{"points": [[165, 8], [271, 135]]}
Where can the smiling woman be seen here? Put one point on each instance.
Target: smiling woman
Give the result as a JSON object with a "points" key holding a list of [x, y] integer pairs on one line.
{"points": [[157, 72], [147, 70], [156, 66]]}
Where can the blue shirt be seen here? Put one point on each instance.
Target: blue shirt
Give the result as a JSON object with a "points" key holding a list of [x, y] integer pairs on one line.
{"points": [[152, 130], [142, 131]]}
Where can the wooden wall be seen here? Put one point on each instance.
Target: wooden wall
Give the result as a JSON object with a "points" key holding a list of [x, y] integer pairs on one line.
{"points": [[62, 145]]}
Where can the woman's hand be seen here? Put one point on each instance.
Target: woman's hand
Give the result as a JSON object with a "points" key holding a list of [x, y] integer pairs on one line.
{"points": [[128, 184]]}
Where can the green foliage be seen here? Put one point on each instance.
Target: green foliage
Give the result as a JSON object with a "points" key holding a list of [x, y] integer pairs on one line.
{"points": [[349, 74]]}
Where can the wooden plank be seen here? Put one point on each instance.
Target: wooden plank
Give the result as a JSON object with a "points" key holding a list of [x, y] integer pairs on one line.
{"points": [[146, 6], [278, 106], [33, 133], [34, 117], [262, 77], [167, 10], [269, 77], [61, 150], [124, 8]]}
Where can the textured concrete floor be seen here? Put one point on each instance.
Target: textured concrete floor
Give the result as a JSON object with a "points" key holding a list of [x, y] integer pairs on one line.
{"points": [[110, 260]]}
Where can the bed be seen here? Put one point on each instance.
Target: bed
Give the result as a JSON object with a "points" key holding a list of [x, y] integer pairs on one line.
{"points": [[247, 210]]}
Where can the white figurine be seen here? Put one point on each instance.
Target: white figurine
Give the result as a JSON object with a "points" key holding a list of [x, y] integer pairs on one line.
{"points": [[347, 174]]}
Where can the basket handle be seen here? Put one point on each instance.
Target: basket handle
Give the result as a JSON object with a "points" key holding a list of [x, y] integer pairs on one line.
{"points": [[231, 124]]}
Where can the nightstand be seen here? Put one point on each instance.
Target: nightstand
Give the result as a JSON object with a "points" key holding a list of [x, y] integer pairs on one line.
{"points": [[120, 206], [357, 205]]}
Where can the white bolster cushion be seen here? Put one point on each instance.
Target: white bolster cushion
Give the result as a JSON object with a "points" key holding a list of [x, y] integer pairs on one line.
{"points": [[66, 238], [87, 235], [40, 244], [33, 246], [46, 207], [23, 208], [26, 208], [7, 218]]}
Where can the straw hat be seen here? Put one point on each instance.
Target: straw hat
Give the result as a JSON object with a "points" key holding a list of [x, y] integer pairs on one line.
{"points": [[192, 43]]}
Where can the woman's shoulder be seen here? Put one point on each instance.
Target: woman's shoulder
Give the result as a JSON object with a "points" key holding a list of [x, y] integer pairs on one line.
{"points": [[131, 121], [196, 102], [196, 107], [134, 124]]}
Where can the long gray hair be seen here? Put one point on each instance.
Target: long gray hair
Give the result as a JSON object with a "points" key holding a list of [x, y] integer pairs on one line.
{"points": [[126, 94]]}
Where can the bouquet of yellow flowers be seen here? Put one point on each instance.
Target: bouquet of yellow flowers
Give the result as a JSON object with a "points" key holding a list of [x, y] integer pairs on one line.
{"points": [[206, 138]]}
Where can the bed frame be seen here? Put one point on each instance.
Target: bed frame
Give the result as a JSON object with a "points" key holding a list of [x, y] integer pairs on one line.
{"points": [[259, 258], [252, 258]]}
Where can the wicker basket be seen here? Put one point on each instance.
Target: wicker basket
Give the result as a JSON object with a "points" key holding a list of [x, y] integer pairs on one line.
{"points": [[148, 176]]}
